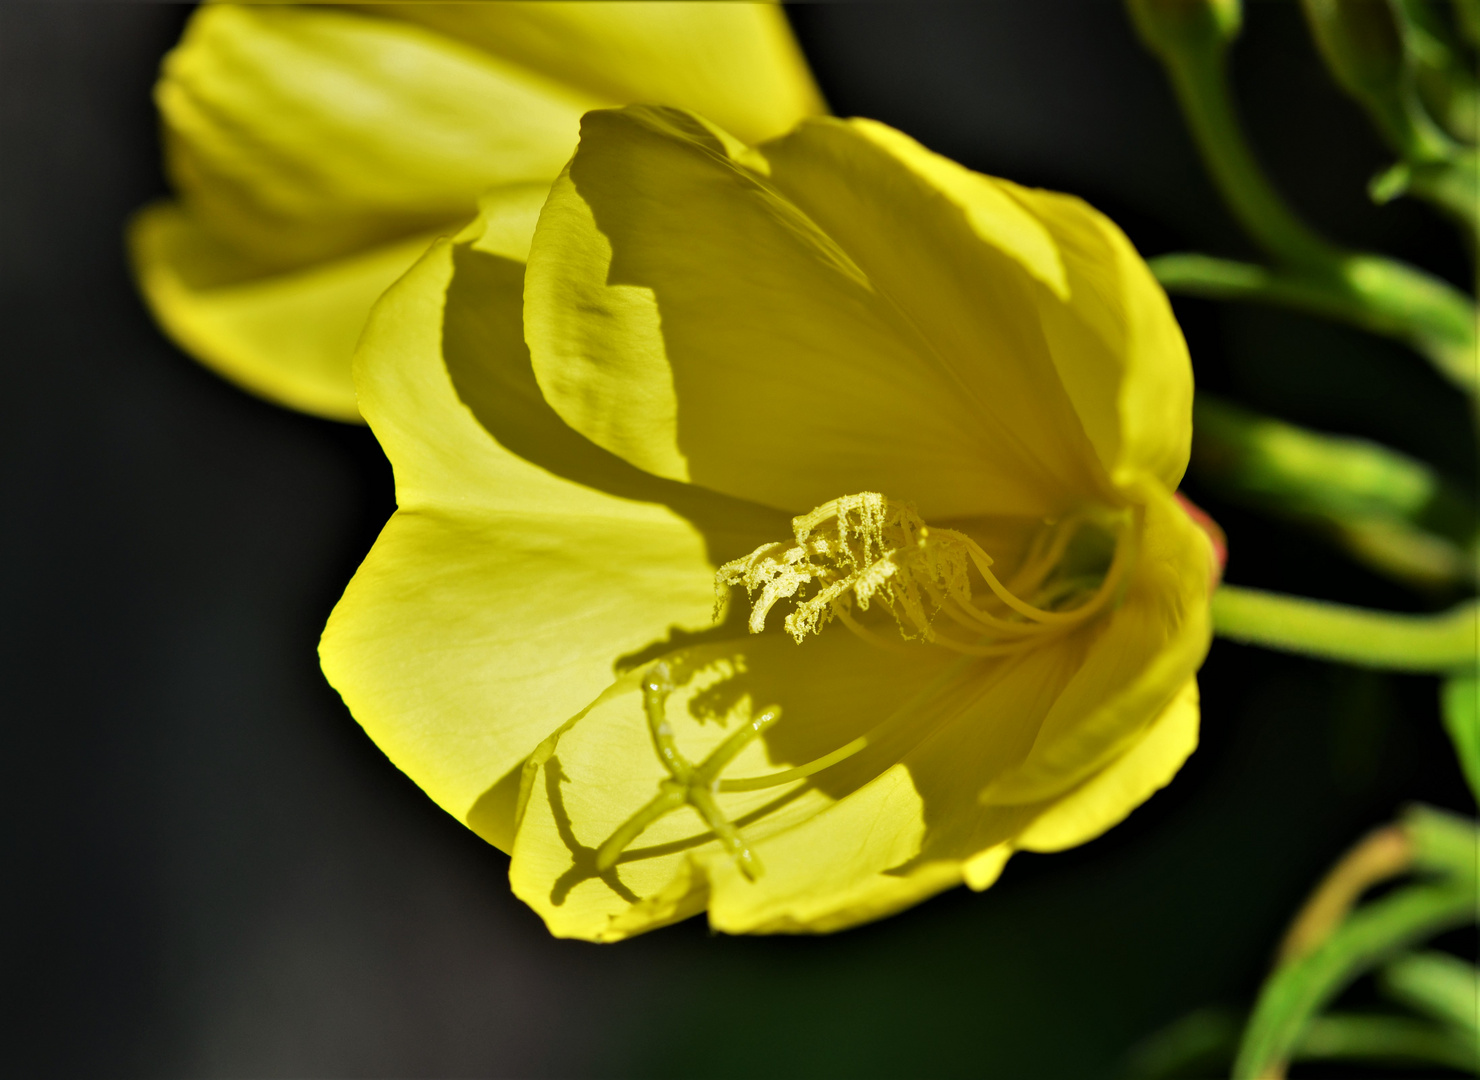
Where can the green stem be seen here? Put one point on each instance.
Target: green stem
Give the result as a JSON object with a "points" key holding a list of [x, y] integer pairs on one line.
{"points": [[1443, 843], [1439, 986], [1436, 643], [1388, 510], [1412, 305], [1461, 700], [1452, 186], [1395, 1040], [1297, 991], [1379, 295], [1200, 79]]}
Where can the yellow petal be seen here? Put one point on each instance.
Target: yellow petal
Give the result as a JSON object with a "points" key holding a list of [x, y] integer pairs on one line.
{"points": [[602, 769], [298, 134], [687, 316], [285, 336], [836, 170], [1117, 346], [915, 829], [1090, 706], [881, 831], [736, 63], [1110, 795], [301, 133], [512, 577], [838, 870], [1140, 658], [960, 256], [848, 863]]}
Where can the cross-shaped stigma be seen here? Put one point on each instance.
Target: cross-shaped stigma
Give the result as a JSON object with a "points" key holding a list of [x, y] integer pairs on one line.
{"points": [[687, 783]]}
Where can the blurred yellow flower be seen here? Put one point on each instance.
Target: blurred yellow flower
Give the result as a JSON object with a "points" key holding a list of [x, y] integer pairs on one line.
{"points": [[931, 422], [317, 151]]}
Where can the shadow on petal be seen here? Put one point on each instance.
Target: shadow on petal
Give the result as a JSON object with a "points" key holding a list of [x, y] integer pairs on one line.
{"points": [[492, 816], [483, 348], [583, 858]]}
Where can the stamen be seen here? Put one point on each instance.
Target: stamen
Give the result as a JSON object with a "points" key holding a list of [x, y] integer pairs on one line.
{"points": [[937, 638], [969, 649], [973, 618], [861, 549], [875, 551], [840, 609], [984, 562], [1044, 553]]}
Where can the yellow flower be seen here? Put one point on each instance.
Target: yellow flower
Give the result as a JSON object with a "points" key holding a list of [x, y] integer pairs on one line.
{"points": [[318, 150], [929, 421]]}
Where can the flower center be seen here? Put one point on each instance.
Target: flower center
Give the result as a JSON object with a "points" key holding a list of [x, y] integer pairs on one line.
{"points": [[863, 550], [848, 556]]}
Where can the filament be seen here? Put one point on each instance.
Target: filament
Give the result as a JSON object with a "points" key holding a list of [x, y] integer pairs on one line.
{"points": [[862, 549]]}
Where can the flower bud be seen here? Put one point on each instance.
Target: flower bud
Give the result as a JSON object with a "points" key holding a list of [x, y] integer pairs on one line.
{"points": [[1467, 14], [1388, 510], [1361, 43], [1170, 27]]}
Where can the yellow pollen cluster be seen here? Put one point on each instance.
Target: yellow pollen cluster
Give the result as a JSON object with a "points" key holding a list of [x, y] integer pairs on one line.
{"points": [[865, 549]]}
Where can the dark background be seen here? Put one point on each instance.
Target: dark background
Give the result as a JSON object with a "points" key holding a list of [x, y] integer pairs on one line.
{"points": [[210, 871]]}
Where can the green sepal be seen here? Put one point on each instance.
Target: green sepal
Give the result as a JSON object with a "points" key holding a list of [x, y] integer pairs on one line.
{"points": [[1364, 47]]}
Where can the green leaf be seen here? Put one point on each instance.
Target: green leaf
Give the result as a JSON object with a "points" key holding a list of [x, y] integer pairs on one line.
{"points": [[1298, 991]]}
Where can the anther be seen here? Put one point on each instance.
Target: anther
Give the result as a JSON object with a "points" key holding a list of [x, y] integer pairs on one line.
{"points": [[863, 549]]}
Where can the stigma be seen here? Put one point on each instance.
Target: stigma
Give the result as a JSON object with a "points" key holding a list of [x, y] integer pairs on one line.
{"points": [[867, 552]]}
